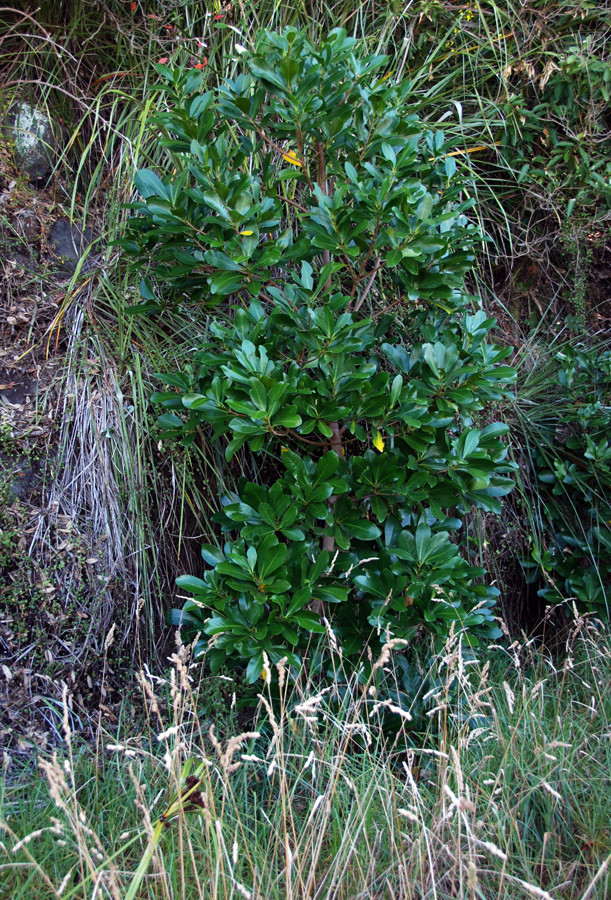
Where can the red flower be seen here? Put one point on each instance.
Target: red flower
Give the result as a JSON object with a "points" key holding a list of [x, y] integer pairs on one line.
{"points": [[163, 60], [218, 16], [201, 64], [133, 6]]}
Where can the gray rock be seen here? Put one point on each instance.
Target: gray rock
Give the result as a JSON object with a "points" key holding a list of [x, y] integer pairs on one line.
{"points": [[21, 475], [67, 243], [17, 387], [27, 225], [31, 134]]}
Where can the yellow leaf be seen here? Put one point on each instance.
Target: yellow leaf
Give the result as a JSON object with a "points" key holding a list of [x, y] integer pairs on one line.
{"points": [[378, 442], [290, 157], [383, 79], [247, 232]]}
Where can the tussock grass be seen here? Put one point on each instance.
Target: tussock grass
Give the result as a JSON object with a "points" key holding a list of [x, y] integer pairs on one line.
{"points": [[500, 791]]}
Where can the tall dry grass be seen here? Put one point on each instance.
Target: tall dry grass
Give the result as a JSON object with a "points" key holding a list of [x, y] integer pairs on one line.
{"points": [[494, 785]]}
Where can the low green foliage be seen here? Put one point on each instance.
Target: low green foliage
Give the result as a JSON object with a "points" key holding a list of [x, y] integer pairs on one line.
{"points": [[370, 450], [539, 76]]}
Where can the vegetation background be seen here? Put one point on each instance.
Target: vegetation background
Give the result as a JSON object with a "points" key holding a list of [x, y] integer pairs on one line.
{"points": [[495, 783]]}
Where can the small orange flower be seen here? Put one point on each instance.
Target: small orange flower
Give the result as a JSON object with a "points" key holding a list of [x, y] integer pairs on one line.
{"points": [[163, 60]]}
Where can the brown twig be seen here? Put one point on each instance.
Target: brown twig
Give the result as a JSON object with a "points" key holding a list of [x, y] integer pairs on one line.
{"points": [[386, 309], [328, 541], [322, 182], [369, 285]]}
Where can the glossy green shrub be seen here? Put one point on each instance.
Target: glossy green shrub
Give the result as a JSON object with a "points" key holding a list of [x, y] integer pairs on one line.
{"points": [[308, 193], [307, 156]]}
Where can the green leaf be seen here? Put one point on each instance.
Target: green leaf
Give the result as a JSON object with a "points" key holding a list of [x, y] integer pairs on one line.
{"points": [[468, 443], [222, 261], [254, 669], [212, 555], [351, 172], [290, 635], [293, 534], [170, 420], [191, 583], [225, 283], [396, 388], [362, 530], [398, 357], [271, 557], [258, 394], [330, 593], [148, 184], [234, 445], [371, 583], [287, 418], [423, 539], [425, 207], [326, 467], [495, 429], [263, 70], [214, 202], [309, 621], [389, 154]]}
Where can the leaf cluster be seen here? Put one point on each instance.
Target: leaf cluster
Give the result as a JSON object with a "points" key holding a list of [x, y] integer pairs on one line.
{"points": [[309, 152]]}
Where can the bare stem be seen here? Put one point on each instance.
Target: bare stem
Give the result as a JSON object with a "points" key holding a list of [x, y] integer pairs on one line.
{"points": [[321, 177], [369, 285], [328, 541]]}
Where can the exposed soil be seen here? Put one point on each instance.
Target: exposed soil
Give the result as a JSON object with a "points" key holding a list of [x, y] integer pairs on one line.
{"points": [[570, 293]]}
